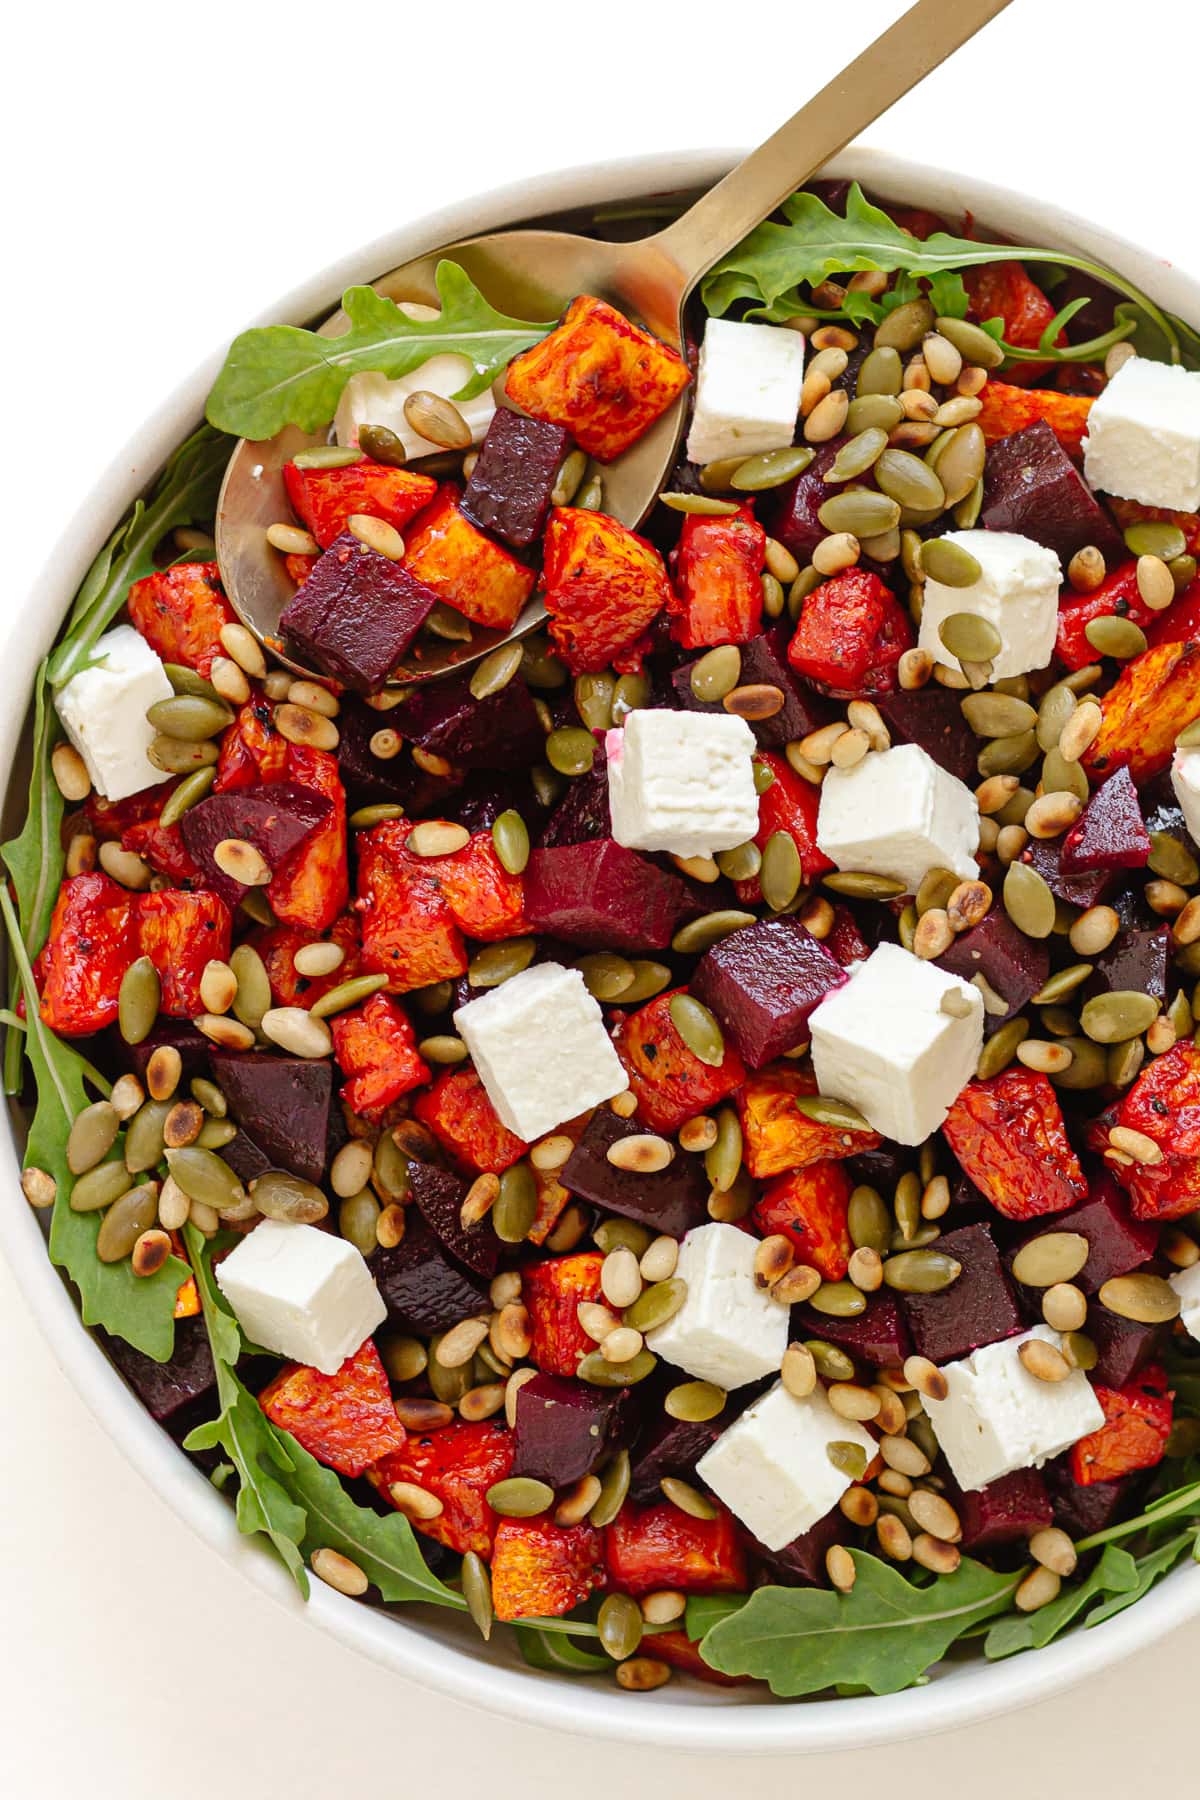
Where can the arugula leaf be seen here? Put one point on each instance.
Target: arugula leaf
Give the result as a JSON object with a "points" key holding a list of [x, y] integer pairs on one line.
{"points": [[706, 1610], [557, 1654], [882, 1635], [1150, 1568], [1115, 1573], [279, 375], [1148, 338]]}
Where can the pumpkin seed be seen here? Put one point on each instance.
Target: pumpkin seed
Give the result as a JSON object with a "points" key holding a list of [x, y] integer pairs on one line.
{"points": [[92, 1135], [1009, 756], [187, 681], [516, 1204], [968, 509], [723, 1158], [902, 330], [907, 1205], [839, 1300], [868, 1219], [1087, 1068], [1063, 982], [847, 1457], [698, 1028], [477, 1592], [493, 672], [621, 1234], [763, 777], [857, 884], [699, 505], [656, 1304], [825, 1110], [742, 863], [921, 1271], [216, 1133], [614, 1486], [863, 512], [189, 718], [973, 343], [101, 1186], [203, 1176], [176, 757], [970, 637], [935, 889], [138, 1000], [1062, 777], [1171, 860], [701, 934], [125, 1221], [629, 692], [882, 412], [382, 445], [497, 963], [597, 1371], [774, 600], [1149, 537], [910, 481], [519, 1497], [856, 455], [770, 469], [716, 673], [594, 700], [959, 463], [997, 715], [781, 872], [190, 790], [831, 1362], [280, 1195], [1028, 901], [510, 840], [649, 978], [1112, 636], [605, 975], [367, 816], [1053, 1257], [717, 477], [253, 1000], [1114, 1017], [144, 1136], [1147, 1299], [695, 1402], [570, 750], [619, 1625]]}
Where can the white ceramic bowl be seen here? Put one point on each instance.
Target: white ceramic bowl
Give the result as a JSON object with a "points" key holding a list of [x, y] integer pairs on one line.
{"points": [[423, 1644]]}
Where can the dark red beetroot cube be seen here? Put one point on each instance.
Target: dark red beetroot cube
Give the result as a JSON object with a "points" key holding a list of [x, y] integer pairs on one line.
{"points": [[1004, 1512], [932, 717], [1012, 964], [672, 1447], [422, 1288], [582, 814], [275, 817], [673, 1200], [192, 1045], [764, 660], [763, 983], [1109, 834], [1117, 1241], [1123, 1346], [164, 1389], [501, 731], [604, 897], [877, 1337], [881, 1168], [1031, 486], [245, 1158], [1043, 854], [510, 486], [356, 614], [979, 1308], [439, 1196], [484, 797], [370, 779], [802, 1562], [564, 1428], [1082, 1510], [1136, 961], [281, 1102], [791, 511]]}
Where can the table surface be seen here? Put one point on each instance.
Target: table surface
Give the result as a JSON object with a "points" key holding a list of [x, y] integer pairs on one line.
{"points": [[180, 168]]}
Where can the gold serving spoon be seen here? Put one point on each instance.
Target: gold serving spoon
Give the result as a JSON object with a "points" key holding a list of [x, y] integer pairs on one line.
{"points": [[534, 274]]}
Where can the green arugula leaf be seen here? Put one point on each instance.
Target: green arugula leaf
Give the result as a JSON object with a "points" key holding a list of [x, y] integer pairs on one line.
{"points": [[881, 1636], [706, 1610], [1149, 339], [281, 375], [1150, 1568], [1115, 1573], [557, 1654]]}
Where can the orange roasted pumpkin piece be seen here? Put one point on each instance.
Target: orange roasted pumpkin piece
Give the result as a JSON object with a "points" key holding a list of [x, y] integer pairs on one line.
{"points": [[327, 499], [1010, 1140], [457, 1464], [162, 846], [777, 1136], [789, 804], [465, 568], [602, 377], [463, 1120], [485, 901], [809, 1207], [180, 933], [1003, 290], [375, 1045], [543, 1570], [408, 931], [347, 1421], [670, 1082], [252, 749], [180, 611], [90, 944], [1005, 409], [604, 586], [1148, 705], [653, 1547], [553, 1292], [718, 580], [312, 885], [1137, 1424], [1164, 1105], [278, 944]]}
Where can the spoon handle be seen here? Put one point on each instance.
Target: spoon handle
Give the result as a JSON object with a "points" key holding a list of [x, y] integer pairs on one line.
{"points": [[885, 71]]}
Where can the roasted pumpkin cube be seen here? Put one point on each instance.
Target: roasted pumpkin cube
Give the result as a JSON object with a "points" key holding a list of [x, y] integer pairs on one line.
{"points": [[1005, 409], [598, 375], [1137, 1423], [252, 750], [1003, 290], [1010, 1140], [809, 1207], [554, 1291], [463, 1120], [408, 931], [180, 612], [278, 944], [552, 1198], [465, 568], [789, 804], [1180, 621], [718, 580], [162, 846], [670, 1082], [375, 1045], [1148, 705], [850, 636], [187, 1298], [347, 1421], [327, 499], [604, 586], [1164, 1105], [649, 1547], [180, 933], [485, 901], [543, 1570], [457, 1464], [777, 1136], [91, 942]]}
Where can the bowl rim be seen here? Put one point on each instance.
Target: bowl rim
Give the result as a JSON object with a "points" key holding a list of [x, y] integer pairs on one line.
{"points": [[677, 1718]]}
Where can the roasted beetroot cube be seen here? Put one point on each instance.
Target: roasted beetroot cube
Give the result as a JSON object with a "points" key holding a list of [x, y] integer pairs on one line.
{"points": [[1135, 962], [192, 1045], [513, 478], [423, 1290], [763, 983], [764, 661], [282, 1102], [802, 1562], [1004, 1512], [564, 1428], [501, 731], [582, 814], [672, 1447], [356, 614], [439, 1196], [791, 512], [275, 818], [1117, 1241], [1083, 890], [166, 1388], [370, 779], [1110, 833], [1031, 486], [932, 717], [1123, 1346], [979, 1308], [1082, 1510], [245, 1158], [604, 897], [878, 1337], [1013, 965], [673, 1200], [881, 1168]]}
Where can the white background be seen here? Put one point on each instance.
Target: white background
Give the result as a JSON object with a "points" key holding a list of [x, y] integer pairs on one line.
{"points": [[169, 170]]}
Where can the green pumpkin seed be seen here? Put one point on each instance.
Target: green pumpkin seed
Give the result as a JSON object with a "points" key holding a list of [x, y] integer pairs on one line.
{"points": [[404, 1358], [1062, 777], [189, 718], [280, 1195], [382, 445], [1150, 538], [997, 715], [446, 1384], [1009, 756], [717, 477], [187, 681], [857, 455], [1187, 960], [1087, 1068], [510, 840], [614, 1486], [763, 777], [1171, 860], [204, 1177], [695, 1402], [774, 600], [144, 1136], [492, 673], [100, 1186], [907, 1206], [880, 371], [699, 505], [1119, 638], [698, 1028], [622, 1234], [174, 756], [1062, 983], [540, 667], [1054, 1256], [879, 412], [904, 327], [519, 1497], [328, 456], [1147, 1299], [805, 583], [138, 1000], [921, 1271], [857, 884], [742, 863], [1028, 901], [1183, 571], [1001, 1048], [868, 1219], [570, 750], [366, 817], [701, 934], [649, 978], [959, 463], [477, 1592], [823, 1109], [906, 926], [832, 1362], [191, 789], [910, 481], [781, 872], [716, 673], [443, 1049], [516, 1204], [216, 1133], [253, 997], [497, 963], [445, 623], [973, 343], [594, 700], [348, 994], [839, 1299], [597, 1371], [656, 1304], [861, 511], [771, 469], [125, 1221], [971, 638], [92, 1136], [629, 693], [723, 1158], [847, 1457], [208, 1095], [1114, 1017], [966, 513], [605, 975], [935, 889]]}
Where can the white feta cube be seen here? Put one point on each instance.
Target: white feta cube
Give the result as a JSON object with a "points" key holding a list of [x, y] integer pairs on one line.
{"points": [[682, 782], [997, 1417], [103, 712], [370, 399], [900, 1040], [772, 1467], [1143, 439], [540, 1049], [1186, 1283], [900, 814], [303, 1293], [728, 1330], [1017, 592], [747, 390], [1185, 779]]}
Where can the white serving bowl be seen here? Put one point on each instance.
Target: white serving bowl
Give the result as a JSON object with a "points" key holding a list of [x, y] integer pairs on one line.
{"points": [[423, 1644]]}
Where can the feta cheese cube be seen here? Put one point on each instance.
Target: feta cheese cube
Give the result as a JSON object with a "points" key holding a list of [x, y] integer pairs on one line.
{"points": [[998, 1417], [747, 390], [772, 1467], [681, 781], [303, 1293], [1185, 779], [370, 399], [728, 1330], [103, 712], [1017, 592], [899, 1041], [1143, 439], [898, 813], [1187, 1285], [540, 1049]]}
